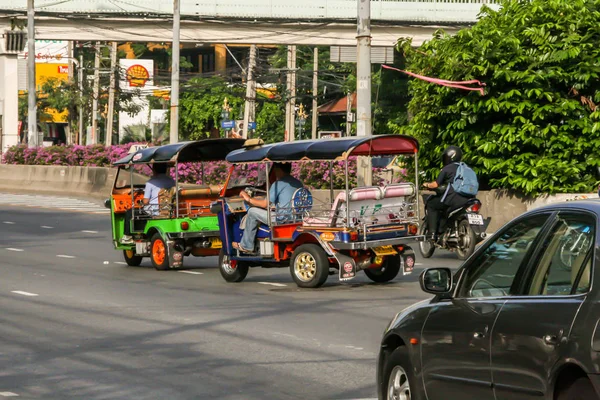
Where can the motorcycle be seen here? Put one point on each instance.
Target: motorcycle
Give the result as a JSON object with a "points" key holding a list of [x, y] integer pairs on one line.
{"points": [[464, 230]]}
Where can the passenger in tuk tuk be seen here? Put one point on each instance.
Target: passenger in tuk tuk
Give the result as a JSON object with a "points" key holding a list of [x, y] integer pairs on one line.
{"points": [[160, 180], [280, 194]]}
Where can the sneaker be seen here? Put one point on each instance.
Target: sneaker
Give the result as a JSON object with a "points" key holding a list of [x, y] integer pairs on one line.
{"points": [[126, 239]]}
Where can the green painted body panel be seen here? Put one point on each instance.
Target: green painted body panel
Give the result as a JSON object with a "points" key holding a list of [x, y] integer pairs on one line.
{"points": [[200, 224]]}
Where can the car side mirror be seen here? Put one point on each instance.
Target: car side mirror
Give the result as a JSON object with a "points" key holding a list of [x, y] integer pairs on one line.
{"points": [[436, 281], [107, 203]]}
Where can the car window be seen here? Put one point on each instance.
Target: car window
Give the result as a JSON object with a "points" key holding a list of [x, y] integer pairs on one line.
{"points": [[492, 273], [565, 263]]}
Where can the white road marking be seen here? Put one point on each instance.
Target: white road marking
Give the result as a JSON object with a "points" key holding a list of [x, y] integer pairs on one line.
{"points": [[273, 284], [121, 262], [89, 231], [13, 249], [46, 227], [8, 394], [192, 272], [24, 293], [64, 256], [418, 264], [62, 203], [8, 222]]}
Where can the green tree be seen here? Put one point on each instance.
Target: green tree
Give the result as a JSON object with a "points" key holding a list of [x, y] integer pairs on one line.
{"points": [[537, 129], [201, 104], [270, 125]]}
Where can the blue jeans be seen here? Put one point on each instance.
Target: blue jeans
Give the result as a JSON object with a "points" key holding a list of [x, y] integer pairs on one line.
{"points": [[255, 217]]}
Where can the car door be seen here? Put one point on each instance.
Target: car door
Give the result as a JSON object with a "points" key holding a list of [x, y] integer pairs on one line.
{"points": [[533, 329], [455, 337]]}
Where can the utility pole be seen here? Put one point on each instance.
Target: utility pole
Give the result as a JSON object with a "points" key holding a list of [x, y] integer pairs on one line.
{"points": [[288, 90], [31, 87], [111, 94], [174, 132], [80, 78], [71, 62], [290, 107], [363, 85], [363, 69], [249, 108], [348, 114], [96, 95], [315, 115]]}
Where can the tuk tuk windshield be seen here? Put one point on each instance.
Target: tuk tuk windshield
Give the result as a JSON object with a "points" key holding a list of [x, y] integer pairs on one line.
{"points": [[141, 175], [252, 174]]}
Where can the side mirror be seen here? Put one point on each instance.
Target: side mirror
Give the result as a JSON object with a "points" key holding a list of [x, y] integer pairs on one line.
{"points": [[436, 281], [107, 203]]}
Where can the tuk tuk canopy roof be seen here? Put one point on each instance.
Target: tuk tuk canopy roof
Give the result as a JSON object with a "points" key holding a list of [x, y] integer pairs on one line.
{"points": [[200, 150], [328, 149]]}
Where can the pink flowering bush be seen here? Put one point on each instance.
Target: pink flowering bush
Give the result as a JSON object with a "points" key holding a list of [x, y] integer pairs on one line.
{"points": [[74, 155], [315, 175]]}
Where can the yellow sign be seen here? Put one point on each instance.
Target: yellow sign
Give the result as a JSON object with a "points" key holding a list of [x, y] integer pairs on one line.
{"points": [[44, 73], [137, 75]]}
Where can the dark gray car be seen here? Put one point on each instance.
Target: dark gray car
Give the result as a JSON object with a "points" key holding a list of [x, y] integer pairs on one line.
{"points": [[518, 320]]}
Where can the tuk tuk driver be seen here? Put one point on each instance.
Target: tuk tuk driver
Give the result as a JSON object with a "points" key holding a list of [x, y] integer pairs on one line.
{"points": [[160, 180], [280, 194]]}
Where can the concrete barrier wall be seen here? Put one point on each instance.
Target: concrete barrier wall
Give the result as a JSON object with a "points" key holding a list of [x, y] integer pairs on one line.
{"points": [[96, 182]]}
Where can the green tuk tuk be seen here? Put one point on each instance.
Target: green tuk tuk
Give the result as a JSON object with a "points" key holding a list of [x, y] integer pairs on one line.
{"points": [[176, 223]]}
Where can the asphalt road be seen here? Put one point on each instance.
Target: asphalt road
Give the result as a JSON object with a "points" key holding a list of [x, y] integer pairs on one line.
{"points": [[76, 323]]}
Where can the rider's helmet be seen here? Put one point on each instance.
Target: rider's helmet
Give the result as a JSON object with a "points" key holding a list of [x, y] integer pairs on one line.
{"points": [[451, 154]]}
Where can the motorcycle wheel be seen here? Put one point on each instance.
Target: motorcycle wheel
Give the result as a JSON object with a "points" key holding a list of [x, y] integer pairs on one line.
{"points": [[426, 247], [466, 240]]}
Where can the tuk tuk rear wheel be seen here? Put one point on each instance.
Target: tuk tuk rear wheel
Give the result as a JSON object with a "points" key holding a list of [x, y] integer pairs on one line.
{"points": [[131, 259], [232, 271], [389, 270], [309, 266], [159, 253]]}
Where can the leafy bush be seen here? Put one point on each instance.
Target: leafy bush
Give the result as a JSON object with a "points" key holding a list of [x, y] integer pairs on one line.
{"points": [[537, 129]]}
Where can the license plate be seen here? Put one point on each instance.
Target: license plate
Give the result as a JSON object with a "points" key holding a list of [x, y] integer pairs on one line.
{"points": [[385, 251], [215, 243], [475, 219]]}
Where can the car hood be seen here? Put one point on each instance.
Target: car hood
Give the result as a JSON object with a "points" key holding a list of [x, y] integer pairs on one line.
{"points": [[406, 312]]}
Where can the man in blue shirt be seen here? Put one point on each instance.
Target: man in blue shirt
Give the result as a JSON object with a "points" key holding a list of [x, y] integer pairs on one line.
{"points": [[160, 180], [280, 194]]}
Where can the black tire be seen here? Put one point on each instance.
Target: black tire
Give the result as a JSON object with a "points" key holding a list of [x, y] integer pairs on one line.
{"points": [[160, 259], [388, 270], [236, 274], [131, 259], [580, 389], [398, 359], [466, 240], [315, 271], [426, 247]]}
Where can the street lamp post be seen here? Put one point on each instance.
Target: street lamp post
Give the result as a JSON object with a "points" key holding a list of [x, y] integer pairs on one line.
{"points": [[301, 121]]}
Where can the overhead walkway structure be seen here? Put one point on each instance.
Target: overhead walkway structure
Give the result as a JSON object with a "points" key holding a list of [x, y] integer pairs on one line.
{"points": [[310, 22]]}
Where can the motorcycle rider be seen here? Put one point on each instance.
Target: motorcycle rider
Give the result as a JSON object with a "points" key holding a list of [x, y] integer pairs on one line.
{"points": [[446, 198]]}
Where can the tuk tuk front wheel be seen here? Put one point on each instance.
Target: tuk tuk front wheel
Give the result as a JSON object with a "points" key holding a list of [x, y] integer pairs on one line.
{"points": [[231, 270], [389, 270], [131, 259], [309, 266], [159, 253]]}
